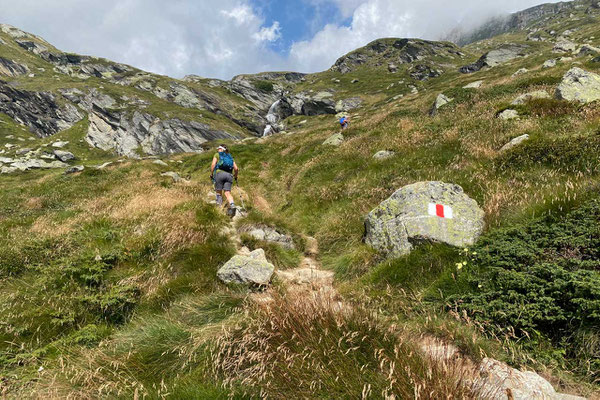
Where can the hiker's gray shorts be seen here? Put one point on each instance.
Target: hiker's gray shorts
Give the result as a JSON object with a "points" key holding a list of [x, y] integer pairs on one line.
{"points": [[223, 181]]}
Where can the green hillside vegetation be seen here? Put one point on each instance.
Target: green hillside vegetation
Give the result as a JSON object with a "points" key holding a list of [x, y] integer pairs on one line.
{"points": [[108, 284]]}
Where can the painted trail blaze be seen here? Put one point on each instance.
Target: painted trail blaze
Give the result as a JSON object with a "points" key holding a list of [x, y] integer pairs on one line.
{"points": [[440, 210]]}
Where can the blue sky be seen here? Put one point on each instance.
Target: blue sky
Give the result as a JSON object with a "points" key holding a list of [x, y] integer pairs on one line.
{"points": [[223, 38]]}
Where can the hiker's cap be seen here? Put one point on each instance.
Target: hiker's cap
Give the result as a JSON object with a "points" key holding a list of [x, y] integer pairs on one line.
{"points": [[222, 148]]}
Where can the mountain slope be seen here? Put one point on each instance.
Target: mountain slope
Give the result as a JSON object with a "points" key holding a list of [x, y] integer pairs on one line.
{"points": [[109, 284]]}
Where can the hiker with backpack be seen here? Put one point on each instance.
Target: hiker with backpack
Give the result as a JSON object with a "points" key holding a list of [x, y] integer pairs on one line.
{"points": [[344, 122], [223, 171]]}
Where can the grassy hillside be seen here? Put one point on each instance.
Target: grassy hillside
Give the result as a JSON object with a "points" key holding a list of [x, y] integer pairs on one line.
{"points": [[108, 277]]}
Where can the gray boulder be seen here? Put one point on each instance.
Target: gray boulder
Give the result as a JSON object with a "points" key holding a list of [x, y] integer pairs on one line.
{"points": [[74, 169], [63, 156], [334, 140], [383, 155], [515, 142], [473, 85], [496, 57], [271, 235], [587, 50], [439, 102], [160, 162], [564, 46], [579, 85], [549, 63], [524, 98], [424, 211], [508, 114], [253, 270], [173, 175]]}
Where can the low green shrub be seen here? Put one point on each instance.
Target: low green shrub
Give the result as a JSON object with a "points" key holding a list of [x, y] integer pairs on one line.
{"points": [[537, 281]]}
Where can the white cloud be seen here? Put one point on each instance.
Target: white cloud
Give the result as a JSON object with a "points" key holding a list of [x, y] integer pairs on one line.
{"points": [[270, 34], [373, 19], [221, 38], [213, 38]]}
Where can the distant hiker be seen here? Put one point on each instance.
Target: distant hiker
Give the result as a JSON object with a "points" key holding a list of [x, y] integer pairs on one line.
{"points": [[344, 122], [223, 171]]}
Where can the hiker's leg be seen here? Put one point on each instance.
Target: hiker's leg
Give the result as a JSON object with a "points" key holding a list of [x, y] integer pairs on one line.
{"points": [[219, 197], [229, 197]]}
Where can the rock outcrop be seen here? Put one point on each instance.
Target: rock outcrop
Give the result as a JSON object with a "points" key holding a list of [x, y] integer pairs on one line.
{"points": [[496, 57], [508, 114], [141, 132], [424, 211], [37, 110], [12, 68], [383, 52], [422, 72], [579, 85], [253, 269], [383, 155]]}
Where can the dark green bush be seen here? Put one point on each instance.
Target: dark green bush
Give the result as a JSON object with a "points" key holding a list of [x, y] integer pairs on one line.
{"points": [[538, 281], [265, 86]]}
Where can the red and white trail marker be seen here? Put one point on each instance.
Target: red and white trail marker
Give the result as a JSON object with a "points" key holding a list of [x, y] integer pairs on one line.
{"points": [[440, 210]]}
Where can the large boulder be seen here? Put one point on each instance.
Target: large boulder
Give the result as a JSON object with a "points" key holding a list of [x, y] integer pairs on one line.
{"points": [[348, 104], [424, 211], [253, 269], [422, 72], [564, 46], [579, 85], [495, 57]]}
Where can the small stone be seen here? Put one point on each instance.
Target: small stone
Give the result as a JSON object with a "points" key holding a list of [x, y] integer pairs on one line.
{"points": [[383, 154], [521, 71], [161, 163], [64, 156], [22, 152], [508, 114], [74, 169], [393, 68], [355, 81], [473, 85], [515, 142], [173, 175], [549, 63], [59, 144], [524, 98], [440, 101]]}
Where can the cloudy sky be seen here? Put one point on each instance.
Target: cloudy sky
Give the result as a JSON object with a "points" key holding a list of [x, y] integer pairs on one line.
{"points": [[222, 38]]}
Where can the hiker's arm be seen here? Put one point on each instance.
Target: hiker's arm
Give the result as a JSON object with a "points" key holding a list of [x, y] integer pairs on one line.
{"points": [[214, 164], [235, 170]]}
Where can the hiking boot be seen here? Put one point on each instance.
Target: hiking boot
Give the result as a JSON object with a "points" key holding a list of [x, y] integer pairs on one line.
{"points": [[231, 210]]}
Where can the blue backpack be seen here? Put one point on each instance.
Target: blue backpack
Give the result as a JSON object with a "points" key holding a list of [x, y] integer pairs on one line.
{"points": [[225, 162]]}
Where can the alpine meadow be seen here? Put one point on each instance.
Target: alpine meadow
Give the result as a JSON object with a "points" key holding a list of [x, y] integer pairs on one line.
{"points": [[442, 242]]}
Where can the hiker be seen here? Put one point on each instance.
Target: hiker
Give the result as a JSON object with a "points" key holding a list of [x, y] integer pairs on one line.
{"points": [[223, 171], [344, 122]]}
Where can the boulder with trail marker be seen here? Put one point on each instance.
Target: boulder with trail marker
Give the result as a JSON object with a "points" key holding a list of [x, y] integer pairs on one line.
{"points": [[424, 211]]}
